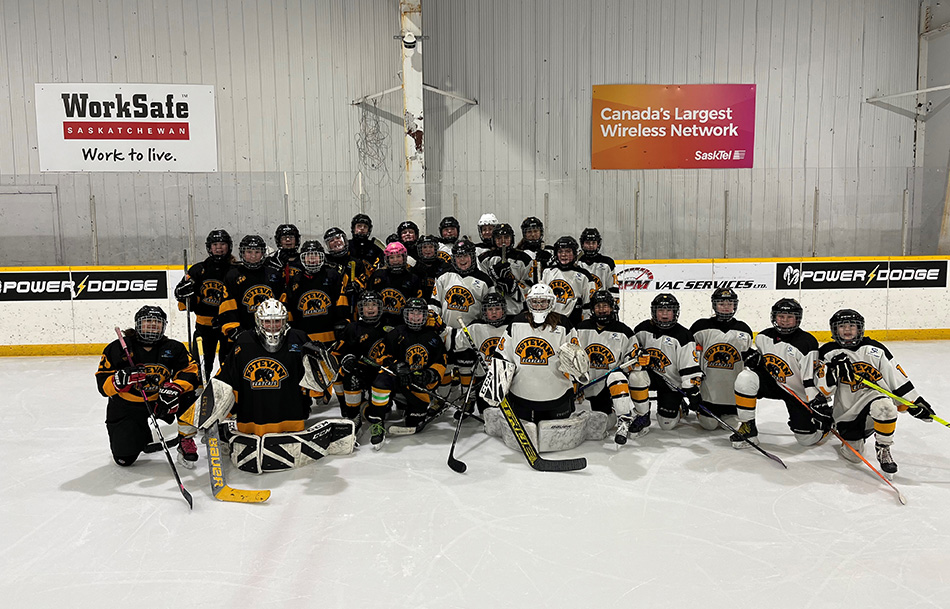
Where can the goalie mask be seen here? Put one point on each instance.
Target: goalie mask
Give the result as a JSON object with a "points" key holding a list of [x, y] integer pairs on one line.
{"points": [[540, 301], [603, 306], [493, 309], [150, 323], [847, 327], [252, 250], [415, 313], [270, 318], [725, 303], [665, 302], [786, 315], [312, 256]]}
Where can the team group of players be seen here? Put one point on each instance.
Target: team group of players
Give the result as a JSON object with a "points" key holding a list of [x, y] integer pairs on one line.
{"points": [[415, 323]]}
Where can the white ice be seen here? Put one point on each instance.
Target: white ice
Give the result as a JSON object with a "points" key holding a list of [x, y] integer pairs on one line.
{"points": [[672, 519]]}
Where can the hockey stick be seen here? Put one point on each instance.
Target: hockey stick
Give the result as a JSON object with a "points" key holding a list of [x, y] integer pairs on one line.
{"points": [[455, 464], [709, 413], [219, 485], [161, 437], [900, 497], [535, 460], [903, 401], [191, 342], [626, 364]]}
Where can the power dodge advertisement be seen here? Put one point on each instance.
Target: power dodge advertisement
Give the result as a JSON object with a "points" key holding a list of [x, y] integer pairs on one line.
{"points": [[83, 285]]}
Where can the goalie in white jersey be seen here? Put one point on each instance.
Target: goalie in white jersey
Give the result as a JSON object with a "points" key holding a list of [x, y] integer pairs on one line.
{"points": [[779, 368], [674, 361], [720, 340], [859, 410]]}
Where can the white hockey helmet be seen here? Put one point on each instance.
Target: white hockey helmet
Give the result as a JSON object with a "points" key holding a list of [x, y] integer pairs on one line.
{"points": [[540, 301], [271, 321], [488, 220]]}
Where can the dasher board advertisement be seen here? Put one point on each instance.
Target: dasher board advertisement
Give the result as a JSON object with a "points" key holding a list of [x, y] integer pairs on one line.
{"points": [[672, 126], [126, 127]]}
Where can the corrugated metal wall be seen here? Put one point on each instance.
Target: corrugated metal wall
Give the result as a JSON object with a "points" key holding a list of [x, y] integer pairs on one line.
{"points": [[285, 71]]}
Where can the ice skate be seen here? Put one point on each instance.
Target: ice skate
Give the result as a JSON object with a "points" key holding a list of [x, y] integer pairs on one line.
{"points": [[885, 459], [748, 431], [187, 453]]}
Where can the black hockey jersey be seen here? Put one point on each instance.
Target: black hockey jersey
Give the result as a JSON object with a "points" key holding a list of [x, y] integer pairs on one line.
{"points": [[395, 287], [166, 360], [244, 289], [317, 303], [208, 277]]}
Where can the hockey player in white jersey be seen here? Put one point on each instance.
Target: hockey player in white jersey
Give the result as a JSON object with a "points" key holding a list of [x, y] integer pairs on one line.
{"points": [[673, 361], [571, 284], [449, 229], [532, 243], [509, 268], [486, 226], [610, 344], [602, 268], [780, 363], [721, 340], [485, 331], [859, 410]]}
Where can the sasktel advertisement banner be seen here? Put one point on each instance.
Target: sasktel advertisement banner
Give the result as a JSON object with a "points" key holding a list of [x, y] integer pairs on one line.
{"points": [[672, 126], [126, 127]]}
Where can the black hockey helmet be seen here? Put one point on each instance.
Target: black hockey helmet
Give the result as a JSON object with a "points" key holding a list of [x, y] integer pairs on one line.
{"points": [[427, 247], [725, 295], [565, 243], [529, 223], [603, 297], [847, 317], [449, 222], [336, 241], [463, 248], [369, 296], [415, 304], [408, 225], [503, 230], [665, 301], [361, 219], [287, 230], [312, 256], [588, 235], [789, 306], [219, 235], [252, 242], [392, 238], [493, 302], [145, 321]]}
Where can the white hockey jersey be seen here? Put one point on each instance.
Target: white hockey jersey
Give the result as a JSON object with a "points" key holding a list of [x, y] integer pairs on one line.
{"points": [[485, 336], [572, 287], [606, 348], [534, 352], [787, 358], [720, 346], [459, 297], [672, 351], [602, 269], [519, 264]]}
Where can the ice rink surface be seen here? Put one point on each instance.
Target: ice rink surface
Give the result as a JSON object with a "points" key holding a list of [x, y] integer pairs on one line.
{"points": [[672, 519]]}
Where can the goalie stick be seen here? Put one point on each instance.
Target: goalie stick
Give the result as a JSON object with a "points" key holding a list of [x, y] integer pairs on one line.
{"points": [[161, 437], [709, 413], [535, 460], [900, 496], [219, 485]]}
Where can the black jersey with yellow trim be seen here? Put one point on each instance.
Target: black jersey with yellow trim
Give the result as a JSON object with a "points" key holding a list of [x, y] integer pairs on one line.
{"points": [[208, 277], [244, 289], [163, 361]]}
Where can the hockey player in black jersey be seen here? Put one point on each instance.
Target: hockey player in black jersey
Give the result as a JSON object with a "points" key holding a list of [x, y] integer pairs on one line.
{"points": [[245, 287], [720, 341], [408, 232], [602, 268], [316, 300], [362, 245], [572, 285], [338, 255], [167, 374], [395, 283], [284, 264], [416, 354], [673, 360], [363, 338], [859, 410], [508, 267], [779, 364], [203, 286], [429, 264], [532, 243]]}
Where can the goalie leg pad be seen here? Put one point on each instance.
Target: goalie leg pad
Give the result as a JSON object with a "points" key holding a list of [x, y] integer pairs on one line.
{"points": [[223, 401], [563, 434], [495, 425], [281, 451]]}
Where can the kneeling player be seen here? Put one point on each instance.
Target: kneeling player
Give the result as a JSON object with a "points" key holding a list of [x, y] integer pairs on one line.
{"points": [[363, 338], [163, 372]]}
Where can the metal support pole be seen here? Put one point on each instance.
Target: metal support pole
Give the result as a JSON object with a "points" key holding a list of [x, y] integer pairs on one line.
{"points": [[191, 223], [636, 223], [412, 88], [725, 225], [814, 225], [95, 230], [904, 222]]}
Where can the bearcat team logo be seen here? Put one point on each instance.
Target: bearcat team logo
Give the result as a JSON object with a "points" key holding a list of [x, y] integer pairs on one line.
{"points": [[598, 284], [255, 296], [658, 360], [534, 351], [376, 352], [721, 355], [864, 370], [562, 290], [393, 301], [445, 256], [265, 373], [212, 292], [417, 357], [489, 345], [600, 356], [777, 368], [314, 303], [458, 298]]}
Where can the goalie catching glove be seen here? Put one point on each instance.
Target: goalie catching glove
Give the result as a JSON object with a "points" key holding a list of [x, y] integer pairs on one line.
{"points": [[573, 361]]}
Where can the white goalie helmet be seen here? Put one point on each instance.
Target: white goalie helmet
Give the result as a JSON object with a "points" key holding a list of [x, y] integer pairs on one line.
{"points": [[271, 321], [540, 301]]}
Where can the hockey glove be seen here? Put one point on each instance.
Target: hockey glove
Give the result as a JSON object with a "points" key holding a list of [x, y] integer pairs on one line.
{"points": [[752, 359], [124, 379], [428, 377], [434, 321], [692, 397], [185, 289], [338, 329], [923, 411], [348, 363], [403, 374], [840, 370], [821, 413], [168, 397], [643, 357]]}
